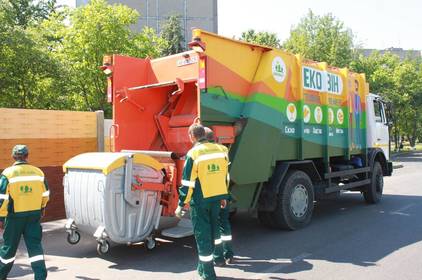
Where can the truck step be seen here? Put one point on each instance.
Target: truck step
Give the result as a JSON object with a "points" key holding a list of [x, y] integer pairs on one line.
{"points": [[183, 229]]}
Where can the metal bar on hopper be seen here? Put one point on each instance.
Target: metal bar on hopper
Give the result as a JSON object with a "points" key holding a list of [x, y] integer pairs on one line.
{"points": [[160, 154], [153, 85], [163, 84]]}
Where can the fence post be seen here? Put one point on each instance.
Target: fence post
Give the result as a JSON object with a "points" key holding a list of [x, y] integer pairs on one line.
{"points": [[100, 130]]}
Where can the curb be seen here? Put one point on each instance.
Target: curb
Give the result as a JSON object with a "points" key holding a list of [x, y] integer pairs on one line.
{"points": [[397, 166]]}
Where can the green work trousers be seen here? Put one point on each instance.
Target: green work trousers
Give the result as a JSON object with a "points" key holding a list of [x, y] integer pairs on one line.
{"points": [[205, 228], [31, 230], [223, 246]]}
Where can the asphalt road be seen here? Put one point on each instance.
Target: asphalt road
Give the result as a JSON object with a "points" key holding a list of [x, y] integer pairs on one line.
{"points": [[347, 239]]}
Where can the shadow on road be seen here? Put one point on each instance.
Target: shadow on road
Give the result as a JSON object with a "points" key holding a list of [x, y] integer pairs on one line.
{"points": [[342, 231], [345, 230], [20, 270]]}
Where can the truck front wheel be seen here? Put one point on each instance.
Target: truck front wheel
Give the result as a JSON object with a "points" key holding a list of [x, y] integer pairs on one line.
{"points": [[373, 191], [295, 202]]}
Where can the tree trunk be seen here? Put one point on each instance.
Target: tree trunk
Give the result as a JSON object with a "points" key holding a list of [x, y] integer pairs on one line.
{"points": [[412, 137]]}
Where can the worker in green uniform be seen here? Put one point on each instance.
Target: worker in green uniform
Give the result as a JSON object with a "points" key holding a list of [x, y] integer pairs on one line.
{"points": [[223, 252], [204, 188], [23, 197]]}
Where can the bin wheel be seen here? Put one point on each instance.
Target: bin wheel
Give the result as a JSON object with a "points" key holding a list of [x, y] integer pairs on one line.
{"points": [[103, 247], [74, 237], [150, 243]]}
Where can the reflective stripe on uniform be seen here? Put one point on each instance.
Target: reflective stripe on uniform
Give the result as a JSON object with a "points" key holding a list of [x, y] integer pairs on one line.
{"points": [[47, 193], [210, 156], [218, 241], [226, 237], [4, 196], [6, 261], [26, 179], [206, 258], [188, 183], [36, 258]]}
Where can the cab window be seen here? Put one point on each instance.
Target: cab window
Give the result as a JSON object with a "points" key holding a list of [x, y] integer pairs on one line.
{"points": [[378, 111]]}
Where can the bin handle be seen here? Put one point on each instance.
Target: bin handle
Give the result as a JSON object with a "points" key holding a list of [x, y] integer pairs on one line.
{"points": [[116, 131], [100, 186]]}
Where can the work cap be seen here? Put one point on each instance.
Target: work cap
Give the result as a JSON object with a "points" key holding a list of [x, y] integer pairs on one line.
{"points": [[20, 150]]}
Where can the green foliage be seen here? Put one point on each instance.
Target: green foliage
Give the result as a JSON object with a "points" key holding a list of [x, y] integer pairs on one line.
{"points": [[25, 13], [27, 71], [172, 35], [51, 57], [321, 38], [261, 38], [98, 29], [399, 82]]}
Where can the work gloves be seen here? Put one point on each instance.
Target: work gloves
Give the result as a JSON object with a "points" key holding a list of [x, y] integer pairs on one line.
{"points": [[179, 212]]}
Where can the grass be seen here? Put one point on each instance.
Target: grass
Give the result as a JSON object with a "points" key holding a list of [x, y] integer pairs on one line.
{"points": [[407, 148]]}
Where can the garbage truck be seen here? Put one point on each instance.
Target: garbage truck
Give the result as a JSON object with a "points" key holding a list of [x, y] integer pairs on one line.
{"points": [[297, 130]]}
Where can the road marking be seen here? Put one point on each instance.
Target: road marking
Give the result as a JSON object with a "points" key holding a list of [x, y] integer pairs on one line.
{"points": [[401, 210], [281, 264]]}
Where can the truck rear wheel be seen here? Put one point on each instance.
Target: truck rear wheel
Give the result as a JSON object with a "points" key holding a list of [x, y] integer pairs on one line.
{"points": [[373, 192], [295, 202]]}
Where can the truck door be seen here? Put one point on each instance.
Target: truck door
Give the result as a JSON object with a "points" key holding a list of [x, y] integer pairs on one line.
{"points": [[381, 127]]}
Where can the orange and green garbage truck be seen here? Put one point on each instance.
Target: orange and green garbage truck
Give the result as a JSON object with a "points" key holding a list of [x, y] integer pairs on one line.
{"points": [[297, 131]]}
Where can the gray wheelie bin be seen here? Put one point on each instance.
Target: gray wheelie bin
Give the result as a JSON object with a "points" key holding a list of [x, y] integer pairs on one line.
{"points": [[114, 197]]}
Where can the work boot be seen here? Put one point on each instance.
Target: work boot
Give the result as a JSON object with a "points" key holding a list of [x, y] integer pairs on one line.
{"points": [[219, 263], [229, 261]]}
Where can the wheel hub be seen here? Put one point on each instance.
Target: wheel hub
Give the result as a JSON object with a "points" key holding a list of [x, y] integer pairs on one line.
{"points": [[299, 201]]}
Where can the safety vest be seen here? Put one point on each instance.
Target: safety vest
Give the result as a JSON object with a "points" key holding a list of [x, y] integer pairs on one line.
{"points": [[26, 192], [210, 167]]}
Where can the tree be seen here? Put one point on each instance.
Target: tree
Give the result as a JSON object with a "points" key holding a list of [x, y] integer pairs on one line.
{"points": [[27, 12], [321, 38], [26, 67], [172, 35], [95, 30], [408, 81], [399, 82], [261, 38]]}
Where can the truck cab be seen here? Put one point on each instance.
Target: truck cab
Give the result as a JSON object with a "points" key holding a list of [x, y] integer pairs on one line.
{"points": [[378, 124]]}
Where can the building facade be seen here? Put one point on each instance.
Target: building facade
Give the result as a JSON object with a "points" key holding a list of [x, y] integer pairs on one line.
{"points": [[153, 13], [401, 53]]}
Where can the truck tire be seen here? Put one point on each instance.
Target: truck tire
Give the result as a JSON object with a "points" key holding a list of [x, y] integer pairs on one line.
{"points": [[373, 191], [295, 202]]}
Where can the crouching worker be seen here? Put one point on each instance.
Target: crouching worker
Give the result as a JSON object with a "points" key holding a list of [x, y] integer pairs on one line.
{"points": [[23, 197], [204, 188]]}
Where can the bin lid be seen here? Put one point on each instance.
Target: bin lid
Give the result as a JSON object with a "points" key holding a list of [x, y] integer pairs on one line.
{"points": [[107, 162]]}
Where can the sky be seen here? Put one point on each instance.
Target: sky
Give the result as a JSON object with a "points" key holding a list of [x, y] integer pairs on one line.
{"points": [[377, 24]]}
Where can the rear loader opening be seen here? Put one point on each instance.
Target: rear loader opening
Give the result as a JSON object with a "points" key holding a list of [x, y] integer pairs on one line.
{"points": [[153, 105]]}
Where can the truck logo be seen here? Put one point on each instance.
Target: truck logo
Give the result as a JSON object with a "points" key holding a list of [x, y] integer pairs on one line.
{"points": [[279, 69], [306, 113], [318, 114], [340, 116], [330, 116], [291, 112], [213, 168], [321, 81], [25, 189]]}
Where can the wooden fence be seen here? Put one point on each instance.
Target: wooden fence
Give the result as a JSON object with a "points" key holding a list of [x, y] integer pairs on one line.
{"points": [[52, 138]]}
